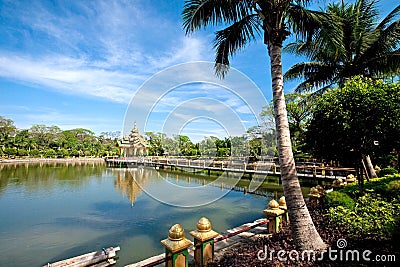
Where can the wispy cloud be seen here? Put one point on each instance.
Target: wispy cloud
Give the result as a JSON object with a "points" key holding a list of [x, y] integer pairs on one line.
{"points": [[103, 49]]}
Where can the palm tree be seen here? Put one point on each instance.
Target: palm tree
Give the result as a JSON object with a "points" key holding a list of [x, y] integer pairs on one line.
{"points": [[247, 20], [350, 43]]}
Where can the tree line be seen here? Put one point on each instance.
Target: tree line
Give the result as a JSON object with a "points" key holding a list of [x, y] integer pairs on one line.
{"points": [[255, 143], [52, 142]]}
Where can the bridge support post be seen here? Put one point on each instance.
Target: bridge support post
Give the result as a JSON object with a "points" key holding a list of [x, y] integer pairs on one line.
{"points": [[203, 243], [176, 246], [274, 215]]}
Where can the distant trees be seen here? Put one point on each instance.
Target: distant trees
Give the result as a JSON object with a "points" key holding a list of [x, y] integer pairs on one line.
{"points": [[52, 142]]}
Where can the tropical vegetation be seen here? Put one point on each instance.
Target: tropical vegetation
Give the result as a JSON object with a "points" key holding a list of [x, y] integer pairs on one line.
{"points": [[350, 42], [375, 214], [52, 142], [361, 118]]}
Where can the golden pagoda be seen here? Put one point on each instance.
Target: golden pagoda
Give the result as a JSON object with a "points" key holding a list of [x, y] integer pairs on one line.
{"points": [[133, 145]]}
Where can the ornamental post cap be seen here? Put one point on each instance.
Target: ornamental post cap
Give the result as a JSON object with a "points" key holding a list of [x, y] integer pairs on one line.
{"points": [[320, 189], [282, 201], [176, 232], [314, 191], [203, 225], [273, 205]]}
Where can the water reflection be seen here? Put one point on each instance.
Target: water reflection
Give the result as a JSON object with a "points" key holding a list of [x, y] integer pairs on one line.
{"points": [[42, 176], [131, 182]]}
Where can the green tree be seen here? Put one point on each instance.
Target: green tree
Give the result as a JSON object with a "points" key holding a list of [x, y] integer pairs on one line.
{"points": [[247, 20], [299, 109], [156, 143], [207, 147], [360, 118], [186, 147], [7, 131], [45, 136], [350, 43]]}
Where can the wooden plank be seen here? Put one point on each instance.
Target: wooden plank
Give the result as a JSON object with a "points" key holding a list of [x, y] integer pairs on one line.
{"points": [[86, 259]]}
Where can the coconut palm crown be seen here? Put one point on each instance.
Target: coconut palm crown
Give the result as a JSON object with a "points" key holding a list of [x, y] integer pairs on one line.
{"points": [[351, 42]]}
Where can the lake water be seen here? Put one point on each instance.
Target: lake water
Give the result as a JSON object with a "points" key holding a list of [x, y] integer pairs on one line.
{"points": [[53, 212]]}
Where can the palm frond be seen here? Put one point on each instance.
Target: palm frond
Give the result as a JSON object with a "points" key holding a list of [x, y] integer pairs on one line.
{"points": [[386, 64], [387, 20], [305, 22], [198, 14], [233, 38]]}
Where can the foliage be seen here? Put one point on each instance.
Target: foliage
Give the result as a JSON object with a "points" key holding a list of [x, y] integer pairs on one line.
{"points": [[372, 216], [51, 141], [394, 187], [336, 198], [299, 110], [346, 122], [50, 153], [378, 186], [387, 171], [350, 42], [22, 152], [7, 130]]}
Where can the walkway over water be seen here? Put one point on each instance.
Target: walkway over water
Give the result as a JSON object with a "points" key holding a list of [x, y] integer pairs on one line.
{"points": [[259, 168]]}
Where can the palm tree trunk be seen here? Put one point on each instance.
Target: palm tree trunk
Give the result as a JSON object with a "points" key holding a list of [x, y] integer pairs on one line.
{"points": [[370, 168], [303, 229]]}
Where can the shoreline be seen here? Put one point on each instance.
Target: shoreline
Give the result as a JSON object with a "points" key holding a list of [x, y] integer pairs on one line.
{"points": [[50, 160]]}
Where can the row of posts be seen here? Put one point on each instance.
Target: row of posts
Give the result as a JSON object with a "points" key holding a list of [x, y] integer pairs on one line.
{"points": [[177, 245]]}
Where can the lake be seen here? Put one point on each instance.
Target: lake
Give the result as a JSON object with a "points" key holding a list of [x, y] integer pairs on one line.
{"points": [[50, 212]]}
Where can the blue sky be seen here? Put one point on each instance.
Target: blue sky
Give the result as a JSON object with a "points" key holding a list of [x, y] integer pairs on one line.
{"points": [[76, 63]]}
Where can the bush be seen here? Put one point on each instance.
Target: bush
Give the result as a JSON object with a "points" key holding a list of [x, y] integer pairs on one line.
{"points": [[377, 185], [22, 152], [50, 153], [10, 151], [387, 171], [394, 185], [372, 216], [337, 198], [62, 153], [34, 153]]}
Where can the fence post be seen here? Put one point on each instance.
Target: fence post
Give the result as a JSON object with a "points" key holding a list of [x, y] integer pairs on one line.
{"points": [[314, 196], [176, 246], [282, 206], [274, 215], [203, 243]]}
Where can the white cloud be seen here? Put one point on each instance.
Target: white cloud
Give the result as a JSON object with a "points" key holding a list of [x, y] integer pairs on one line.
{"points": [[103, 49]]}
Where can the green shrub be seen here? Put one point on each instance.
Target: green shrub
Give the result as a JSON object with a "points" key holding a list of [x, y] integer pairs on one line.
{"points": [[337, 198], [50, 153], [22, 152], [394, 185], [62, 153], [387, 171], [372, 216], [377, 185], [10, 151], [34, 153]]}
